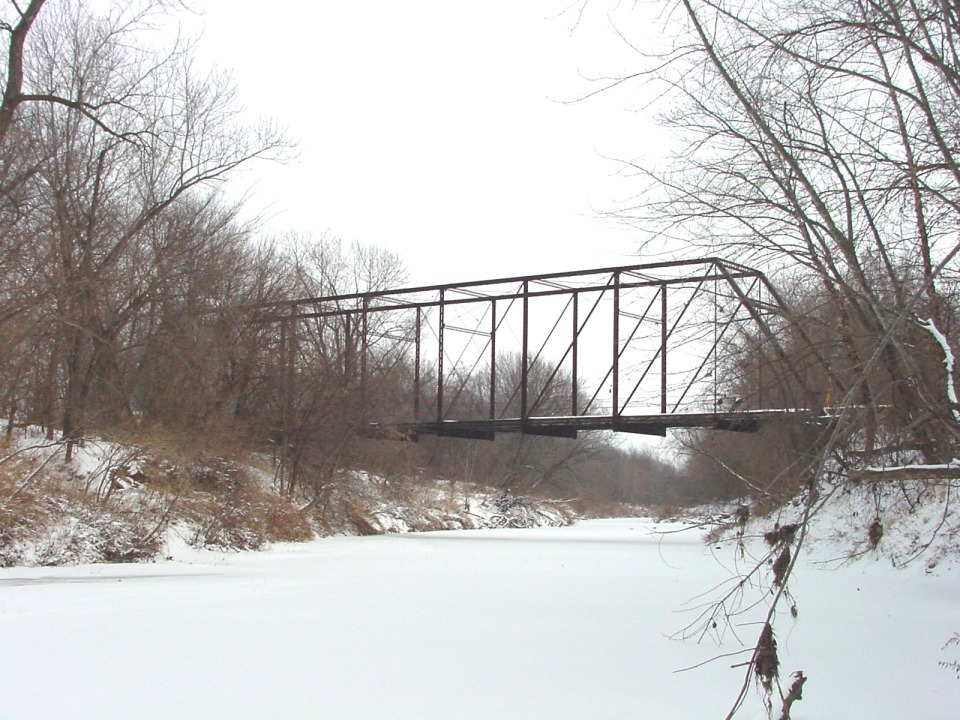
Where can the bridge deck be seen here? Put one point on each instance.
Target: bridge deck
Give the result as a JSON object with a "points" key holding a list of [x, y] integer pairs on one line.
{"points": [[570, 426]]}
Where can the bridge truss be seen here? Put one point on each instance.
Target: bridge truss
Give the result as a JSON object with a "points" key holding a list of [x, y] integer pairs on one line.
{"points": [[639, 348]]}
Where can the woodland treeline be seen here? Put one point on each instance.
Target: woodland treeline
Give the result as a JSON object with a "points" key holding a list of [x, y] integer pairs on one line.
{"points": [[133, 297], [818, 141]]}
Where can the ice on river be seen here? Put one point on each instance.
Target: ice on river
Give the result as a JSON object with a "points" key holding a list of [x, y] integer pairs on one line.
{"points": [[547, 623]]}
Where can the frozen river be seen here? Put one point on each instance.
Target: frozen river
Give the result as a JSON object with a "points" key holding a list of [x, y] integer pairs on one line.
{"points": [[549, 623]]}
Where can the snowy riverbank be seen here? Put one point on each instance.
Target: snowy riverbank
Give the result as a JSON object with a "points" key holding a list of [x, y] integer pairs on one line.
{"points": [[574, 622]]}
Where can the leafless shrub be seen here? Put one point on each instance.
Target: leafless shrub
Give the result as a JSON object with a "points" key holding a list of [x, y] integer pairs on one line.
{"points": [[228, 529], [72, 529]]}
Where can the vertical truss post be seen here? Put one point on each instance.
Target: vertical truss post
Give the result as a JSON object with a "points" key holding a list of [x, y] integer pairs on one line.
{"points": [[284, 387], [292, 352], [440, 362], [716, 341], [663, 349], [576, 334], [348, 360], [292, 370], [526, 349], [288, 359], [363, 342], [416, 368], [493, 359], [767, 332], [759, 352], [615, 364]]}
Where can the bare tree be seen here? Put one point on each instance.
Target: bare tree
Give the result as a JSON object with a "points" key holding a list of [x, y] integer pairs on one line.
{"points": [[170, 134], [812, 153], [18, 27], [348, 367], [817, 139]]}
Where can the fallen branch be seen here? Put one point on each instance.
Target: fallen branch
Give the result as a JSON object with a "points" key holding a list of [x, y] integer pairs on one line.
{"points": [[20, 488], [908, 472]]}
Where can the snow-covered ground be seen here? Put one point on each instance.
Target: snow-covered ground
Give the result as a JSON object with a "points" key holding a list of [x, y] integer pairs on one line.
{"points": [[116, 502], [571, 622]]}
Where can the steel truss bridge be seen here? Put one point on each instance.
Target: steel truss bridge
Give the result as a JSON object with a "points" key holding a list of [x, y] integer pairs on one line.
{"points": [[638, 349]]}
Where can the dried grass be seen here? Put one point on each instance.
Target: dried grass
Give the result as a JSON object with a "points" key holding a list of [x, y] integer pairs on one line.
{"points": [[358, 516], [54, 524], [121, 510]]}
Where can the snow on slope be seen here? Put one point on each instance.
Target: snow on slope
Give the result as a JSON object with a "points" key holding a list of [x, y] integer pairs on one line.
{"points": [[116, 502], [920, 523]]}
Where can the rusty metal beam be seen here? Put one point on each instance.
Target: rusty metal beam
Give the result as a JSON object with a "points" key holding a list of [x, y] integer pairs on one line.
{"points": [[745, 421], [461, 286]]}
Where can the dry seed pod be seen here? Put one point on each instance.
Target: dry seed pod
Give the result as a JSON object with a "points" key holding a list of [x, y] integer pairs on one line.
{"points": [[766, 663], [780, 566], [875, 533]]}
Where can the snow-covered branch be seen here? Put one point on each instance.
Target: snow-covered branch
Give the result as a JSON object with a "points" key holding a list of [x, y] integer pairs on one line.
{"points": [[949, 362]]}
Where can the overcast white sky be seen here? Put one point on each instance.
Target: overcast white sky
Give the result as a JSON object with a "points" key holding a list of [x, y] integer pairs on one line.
{"points": [[435, 128]]}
